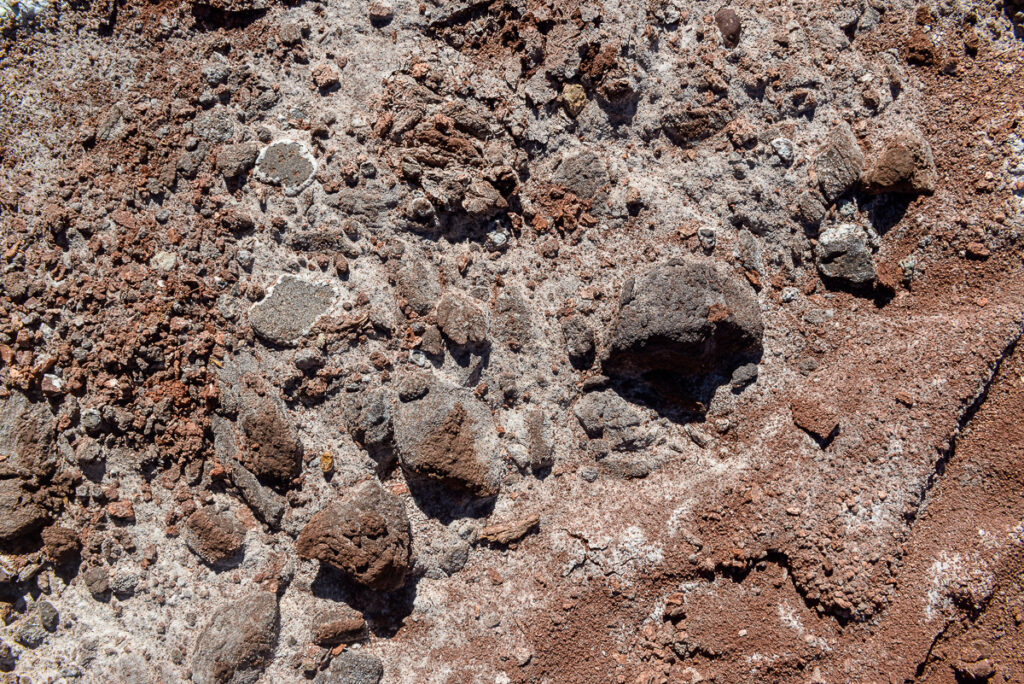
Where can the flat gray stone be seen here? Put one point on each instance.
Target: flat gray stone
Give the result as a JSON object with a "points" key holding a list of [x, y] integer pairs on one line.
{"points": [[290, 309], [287, 163]]}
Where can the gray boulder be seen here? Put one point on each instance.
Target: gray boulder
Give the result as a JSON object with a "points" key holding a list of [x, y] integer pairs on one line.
{"points": [[684, 320], [842, 253]]}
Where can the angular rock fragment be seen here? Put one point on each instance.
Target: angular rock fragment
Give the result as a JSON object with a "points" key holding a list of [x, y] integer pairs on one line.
{"points": [[461, 320], [682, 321], [20, 514], [369, 419], [838, 163], [904, 164], [272, 449], [97, 581], [352, 667], [449, 437], [337, 626], [290, 309], [238, 641], [416, 282], [364, 533], [216, 537], [234, 160], [287, 163], [506, 533], [267, 504], [843, 254], [61, 544], [607, 416]]}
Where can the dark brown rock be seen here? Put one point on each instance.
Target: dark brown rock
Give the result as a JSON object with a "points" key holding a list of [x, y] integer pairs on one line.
{"points": [[216, 537], [364, 533], [26, 439], [728, 23], [341, 625], [20, 514], [273, 450]]}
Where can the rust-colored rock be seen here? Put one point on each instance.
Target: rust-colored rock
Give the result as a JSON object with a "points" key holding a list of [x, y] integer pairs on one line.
{"points": [[904, 164], [365, 534], [216, 537], [61, 544]]}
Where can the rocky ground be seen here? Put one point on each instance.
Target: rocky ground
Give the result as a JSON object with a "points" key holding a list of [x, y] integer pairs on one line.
{"points": [[511, 341]]}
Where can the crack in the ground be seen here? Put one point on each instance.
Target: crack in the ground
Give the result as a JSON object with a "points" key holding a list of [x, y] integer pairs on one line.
{"points": [[945, 455]]}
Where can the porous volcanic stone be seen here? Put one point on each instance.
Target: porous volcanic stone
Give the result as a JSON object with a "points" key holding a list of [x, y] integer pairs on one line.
{"points": [[684, 319], [216, 537], [290, 309], [20, 514], [237, 642], [448, 436], [904, 164], [273, 450], [364, 533]]}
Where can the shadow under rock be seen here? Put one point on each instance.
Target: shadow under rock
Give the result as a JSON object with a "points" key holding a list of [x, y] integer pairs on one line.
{"points": [[384, 612], [685, 398], [440, 502], [886, 211]]}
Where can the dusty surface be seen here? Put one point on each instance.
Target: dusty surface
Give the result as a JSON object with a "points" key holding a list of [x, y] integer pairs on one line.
{"points": [[369, 341]]}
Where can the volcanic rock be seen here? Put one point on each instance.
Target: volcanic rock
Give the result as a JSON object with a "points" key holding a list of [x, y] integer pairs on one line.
{"points": [[364, 533]]}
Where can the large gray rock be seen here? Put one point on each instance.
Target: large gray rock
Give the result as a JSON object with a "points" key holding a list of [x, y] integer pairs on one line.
{"points": [[238, 641], [843, 254], [364, 533], [287, 163], [352, 667], [839, 162], [290, 309], [684, 319], [448, 436]]}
